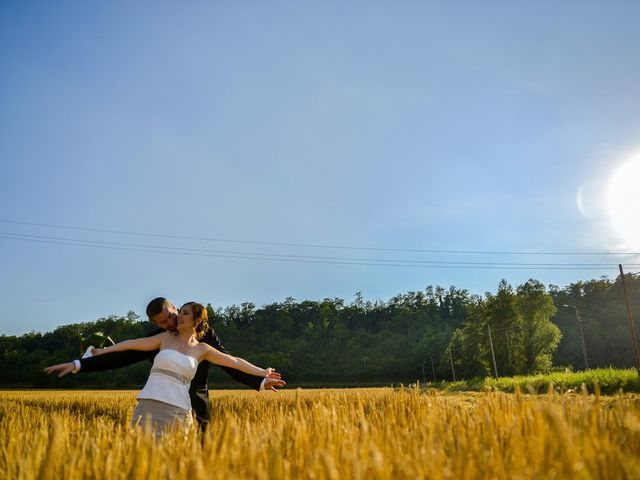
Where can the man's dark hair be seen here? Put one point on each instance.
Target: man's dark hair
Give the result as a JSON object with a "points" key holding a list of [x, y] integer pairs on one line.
{"points": [[155, 307]]}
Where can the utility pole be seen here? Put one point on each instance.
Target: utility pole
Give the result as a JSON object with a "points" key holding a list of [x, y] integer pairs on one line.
{"points": [[493, 355], [632, 329], [433, 370], [584, 345], [452, 369], [424, 378]]}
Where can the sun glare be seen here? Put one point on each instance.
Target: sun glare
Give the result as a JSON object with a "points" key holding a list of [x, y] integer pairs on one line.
{"points": [[623, 202]]}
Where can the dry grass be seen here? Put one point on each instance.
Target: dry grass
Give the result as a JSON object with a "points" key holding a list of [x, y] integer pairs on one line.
{"points": [[336, 434]]}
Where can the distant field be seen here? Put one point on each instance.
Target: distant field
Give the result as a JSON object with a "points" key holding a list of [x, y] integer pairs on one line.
{"points": [[338, 434], [604, 380]]}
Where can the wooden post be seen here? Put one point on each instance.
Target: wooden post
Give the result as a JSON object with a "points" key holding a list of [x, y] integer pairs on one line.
{"points": [[452, 369], [493, 355], [433, 370], [632, 329], [584, 344], [582, 341]]}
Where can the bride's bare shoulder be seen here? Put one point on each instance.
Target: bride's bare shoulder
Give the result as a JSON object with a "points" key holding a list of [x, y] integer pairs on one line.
{"points": [[203, 348]]}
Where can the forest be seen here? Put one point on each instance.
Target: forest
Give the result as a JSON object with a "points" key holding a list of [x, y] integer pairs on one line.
{"points": [[427, 335]]}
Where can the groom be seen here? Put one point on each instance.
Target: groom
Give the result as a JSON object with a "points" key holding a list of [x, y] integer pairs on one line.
{"points": [[164, 314]]}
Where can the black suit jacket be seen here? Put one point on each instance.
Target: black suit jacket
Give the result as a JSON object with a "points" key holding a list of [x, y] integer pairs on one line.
{"points": [[199, 390]]}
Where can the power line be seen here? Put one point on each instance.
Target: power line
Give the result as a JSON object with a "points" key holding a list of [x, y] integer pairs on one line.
{"points": [[306, 245], [250, 256], [308, 257]]}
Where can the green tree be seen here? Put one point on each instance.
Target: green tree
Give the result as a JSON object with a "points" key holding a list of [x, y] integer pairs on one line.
{"points": [[539, 337], [504, 318], [469, 345]]}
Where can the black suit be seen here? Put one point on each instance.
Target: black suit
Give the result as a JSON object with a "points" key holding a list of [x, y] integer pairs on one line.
{"points": [[199, 390]]}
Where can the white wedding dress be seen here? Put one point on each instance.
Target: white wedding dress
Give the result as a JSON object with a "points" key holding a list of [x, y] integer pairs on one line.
{"points": [[164, 401]]}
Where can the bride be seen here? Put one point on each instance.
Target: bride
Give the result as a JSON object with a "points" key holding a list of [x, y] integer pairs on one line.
{"points": [[164, 401]]}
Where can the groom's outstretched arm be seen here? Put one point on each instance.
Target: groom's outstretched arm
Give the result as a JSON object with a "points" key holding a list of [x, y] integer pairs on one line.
{"points": [[109, 361], [106, 361], [250, 381]]}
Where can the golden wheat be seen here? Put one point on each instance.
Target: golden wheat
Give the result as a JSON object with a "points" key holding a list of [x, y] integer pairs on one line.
{"points": [[335, 434]]}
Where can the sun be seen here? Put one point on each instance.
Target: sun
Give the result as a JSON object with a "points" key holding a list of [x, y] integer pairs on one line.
{"points": [[623, 202]]}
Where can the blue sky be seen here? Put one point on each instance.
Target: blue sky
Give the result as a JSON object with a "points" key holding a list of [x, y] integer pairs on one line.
{"points": [[454, 126]]}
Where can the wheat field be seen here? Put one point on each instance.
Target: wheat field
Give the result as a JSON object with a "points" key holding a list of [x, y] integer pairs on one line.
{"points": [[380, 433]]}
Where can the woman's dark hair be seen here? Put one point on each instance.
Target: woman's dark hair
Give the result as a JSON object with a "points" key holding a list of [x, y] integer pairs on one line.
{"points": [[200, 318]]}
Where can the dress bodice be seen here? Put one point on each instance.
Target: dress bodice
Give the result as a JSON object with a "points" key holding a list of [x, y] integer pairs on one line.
{"points": [[170, 378]]}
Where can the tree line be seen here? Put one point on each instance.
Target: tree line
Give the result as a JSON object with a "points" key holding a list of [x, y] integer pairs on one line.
{"points": [[426, 335]]}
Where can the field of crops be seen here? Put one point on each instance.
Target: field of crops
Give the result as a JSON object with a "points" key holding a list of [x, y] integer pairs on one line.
{"points": [[338, 434]]}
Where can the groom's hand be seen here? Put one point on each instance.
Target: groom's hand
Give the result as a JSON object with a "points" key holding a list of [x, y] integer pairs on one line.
{"points": [[271, 373], [62, 369], [273, 380]]}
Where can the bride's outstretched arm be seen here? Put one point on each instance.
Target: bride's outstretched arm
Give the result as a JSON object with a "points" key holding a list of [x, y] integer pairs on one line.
{"points": [[214, 356]]}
